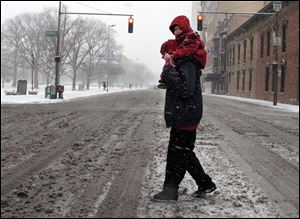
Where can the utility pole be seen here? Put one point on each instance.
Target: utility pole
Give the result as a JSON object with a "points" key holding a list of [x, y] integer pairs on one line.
{"points": [[276, 42], [57, 54]]}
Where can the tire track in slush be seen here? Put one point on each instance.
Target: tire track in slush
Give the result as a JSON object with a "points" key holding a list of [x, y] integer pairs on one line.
{"points": [[125, 191], [25, 170], [35, 142], [64, 179], [281, 181], [91, 196], [112, 144], [48, 185]]}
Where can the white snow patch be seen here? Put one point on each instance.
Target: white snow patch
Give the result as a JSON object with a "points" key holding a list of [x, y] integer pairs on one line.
{"points": [[281, 106], [236, 195], [68, 94]]}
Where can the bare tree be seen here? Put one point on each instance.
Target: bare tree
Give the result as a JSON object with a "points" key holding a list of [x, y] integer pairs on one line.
{"points": [[83, 48], [31, 49], [95, 40], [47, 65], [6, 69], [47, 62], [10, 45], [66, 41], [78, 47]]}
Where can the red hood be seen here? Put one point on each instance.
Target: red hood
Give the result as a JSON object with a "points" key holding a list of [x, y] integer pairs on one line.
{"points": [[168, 47], [183, 22]]}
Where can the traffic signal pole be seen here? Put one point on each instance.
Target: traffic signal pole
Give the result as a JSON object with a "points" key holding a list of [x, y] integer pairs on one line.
{"points": [[57, 54], [236, 13], [201, 13]]}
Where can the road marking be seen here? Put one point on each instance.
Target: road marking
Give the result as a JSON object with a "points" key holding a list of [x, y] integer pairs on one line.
{"points": [[101, 198]]}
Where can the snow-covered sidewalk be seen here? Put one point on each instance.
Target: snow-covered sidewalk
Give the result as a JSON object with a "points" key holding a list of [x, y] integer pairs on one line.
{"points": [[94, 90], [68, 95], [281, 106]]}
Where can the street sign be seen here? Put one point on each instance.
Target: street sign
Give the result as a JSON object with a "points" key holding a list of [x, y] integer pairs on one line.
{"points": [[276, 41], [51, 33], [277, 6], [279, 73]]}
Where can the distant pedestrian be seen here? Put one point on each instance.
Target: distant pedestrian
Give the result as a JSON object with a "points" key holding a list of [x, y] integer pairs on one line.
{"points": [[183, 111]]}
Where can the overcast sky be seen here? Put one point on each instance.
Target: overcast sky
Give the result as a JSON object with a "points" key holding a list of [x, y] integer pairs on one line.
{"points": [[151, 22]]}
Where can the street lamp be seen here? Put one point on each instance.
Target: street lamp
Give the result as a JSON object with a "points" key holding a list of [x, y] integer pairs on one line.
{"points": [[108, 54]]}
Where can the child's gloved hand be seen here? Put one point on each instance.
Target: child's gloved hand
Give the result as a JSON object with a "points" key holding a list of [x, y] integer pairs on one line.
{"points": [[167, 56], [169, 59]]}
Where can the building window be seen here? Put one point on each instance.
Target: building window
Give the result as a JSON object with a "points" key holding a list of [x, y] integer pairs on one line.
{"points": [[233, 56], [243, 80], [268, 42], [216, 59], [273, 78], [284, 28], [222, 61], [238, 81], [250, 79], [245, 50], [251, 48], [282, 79], [262, 39], [267, 78], [239, 53], [230, 57]]}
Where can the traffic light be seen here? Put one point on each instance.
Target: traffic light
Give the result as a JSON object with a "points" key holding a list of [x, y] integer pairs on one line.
{"points": [[130, 25], [199, 22]]}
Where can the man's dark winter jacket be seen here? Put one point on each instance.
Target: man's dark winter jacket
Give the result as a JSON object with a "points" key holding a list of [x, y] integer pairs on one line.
{"points": [[183, 104]]}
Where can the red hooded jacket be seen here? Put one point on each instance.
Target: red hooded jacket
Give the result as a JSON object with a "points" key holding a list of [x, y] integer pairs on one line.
{"points": [[168, 47], [190, 43]]}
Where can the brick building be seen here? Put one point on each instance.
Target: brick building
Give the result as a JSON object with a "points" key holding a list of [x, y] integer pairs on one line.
{"points": [[250, 56], [213, 36]]}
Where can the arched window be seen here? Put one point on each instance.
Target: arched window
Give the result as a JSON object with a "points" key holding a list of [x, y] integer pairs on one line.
{"points": [[243, 80], [251, 48], [267, 78], [250, 79], [238, 81], [239, 53], [268, 42], [245, 50], [283, 43], [262, 39], [283, 75]]}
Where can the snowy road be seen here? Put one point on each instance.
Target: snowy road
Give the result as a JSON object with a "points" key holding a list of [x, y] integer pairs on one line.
{"points": [[104, 156]]}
